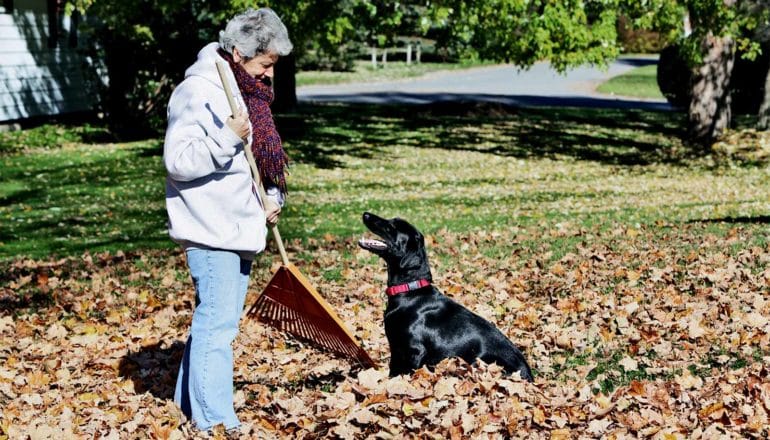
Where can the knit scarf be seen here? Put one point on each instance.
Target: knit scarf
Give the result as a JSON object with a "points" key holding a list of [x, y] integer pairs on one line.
{"points": [[266, 143]]}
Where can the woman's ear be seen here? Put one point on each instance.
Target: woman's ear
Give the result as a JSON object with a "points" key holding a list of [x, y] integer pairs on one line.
{"points": [[236, 55]]}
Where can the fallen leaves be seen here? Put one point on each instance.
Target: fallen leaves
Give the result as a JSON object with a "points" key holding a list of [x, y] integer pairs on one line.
{"points": [[627, 340], [747, 145]]}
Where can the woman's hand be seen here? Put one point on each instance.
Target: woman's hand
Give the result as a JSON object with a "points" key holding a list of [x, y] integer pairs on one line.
{"points": [[239, 124], [272, 211]]}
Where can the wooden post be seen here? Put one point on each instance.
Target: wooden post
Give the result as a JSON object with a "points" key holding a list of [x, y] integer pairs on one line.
{"points": [[384, 57], [409, 53], [374, 57], [419, 47]]}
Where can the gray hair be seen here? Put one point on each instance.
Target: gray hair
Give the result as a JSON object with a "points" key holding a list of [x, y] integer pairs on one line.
{"points": [[256, 32]]}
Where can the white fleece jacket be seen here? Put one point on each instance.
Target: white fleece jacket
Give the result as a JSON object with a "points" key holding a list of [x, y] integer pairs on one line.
{"points": [[210, 196]]}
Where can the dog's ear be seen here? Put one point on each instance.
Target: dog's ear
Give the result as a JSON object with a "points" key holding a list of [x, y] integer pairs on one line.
{"points": [[417, 240], [408, 237], [414, 258], [419, 237]]}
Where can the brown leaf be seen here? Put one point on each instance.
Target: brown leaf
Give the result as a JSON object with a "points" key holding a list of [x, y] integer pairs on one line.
{"points": [[560, 434]]}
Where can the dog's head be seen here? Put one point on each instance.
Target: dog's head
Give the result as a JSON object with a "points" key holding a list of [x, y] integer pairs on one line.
{"points": [[402, 247]]}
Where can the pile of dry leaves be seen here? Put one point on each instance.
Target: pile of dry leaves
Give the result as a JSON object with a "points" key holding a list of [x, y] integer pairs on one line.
{"points": [[746, 146], [632, 334]]}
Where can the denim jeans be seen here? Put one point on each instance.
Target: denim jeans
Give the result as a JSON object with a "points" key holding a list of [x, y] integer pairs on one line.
{"points": [[204, 387]]}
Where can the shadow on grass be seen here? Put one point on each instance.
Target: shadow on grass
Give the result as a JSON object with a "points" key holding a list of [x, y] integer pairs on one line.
{"points": [[52, 133], [318, 133], [638, 62], [759, 220]]}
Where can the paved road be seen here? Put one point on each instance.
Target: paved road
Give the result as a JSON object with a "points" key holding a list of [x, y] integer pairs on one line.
{"points": [[538, 86]]}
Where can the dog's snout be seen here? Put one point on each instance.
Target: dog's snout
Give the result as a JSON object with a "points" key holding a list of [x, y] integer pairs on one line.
{"points": [[366, 216]]}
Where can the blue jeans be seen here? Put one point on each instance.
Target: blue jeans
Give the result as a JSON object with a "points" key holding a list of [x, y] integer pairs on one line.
{"points": [[204, 387]]}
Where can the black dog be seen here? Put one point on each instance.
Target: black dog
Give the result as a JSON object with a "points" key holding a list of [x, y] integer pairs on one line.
{"points": [[422, 325]]}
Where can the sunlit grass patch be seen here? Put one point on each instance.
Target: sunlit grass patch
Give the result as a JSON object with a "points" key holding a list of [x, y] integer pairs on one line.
{"points": [[640, 82]]}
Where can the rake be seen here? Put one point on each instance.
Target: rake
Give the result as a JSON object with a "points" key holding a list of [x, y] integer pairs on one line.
{"points": [[289, 303]]}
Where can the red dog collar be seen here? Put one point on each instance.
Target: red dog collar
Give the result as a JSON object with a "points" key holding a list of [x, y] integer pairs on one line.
{"points": [[402, 288]]}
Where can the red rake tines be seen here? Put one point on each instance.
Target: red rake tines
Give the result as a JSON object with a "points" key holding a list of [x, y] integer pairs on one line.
{"points": [[290, 304]]}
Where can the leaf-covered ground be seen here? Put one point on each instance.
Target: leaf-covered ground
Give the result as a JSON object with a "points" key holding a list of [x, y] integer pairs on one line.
{"points": [[654, 332]]}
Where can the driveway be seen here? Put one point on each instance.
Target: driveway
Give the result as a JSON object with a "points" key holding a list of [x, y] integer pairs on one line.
{"points": [[505, 84]]}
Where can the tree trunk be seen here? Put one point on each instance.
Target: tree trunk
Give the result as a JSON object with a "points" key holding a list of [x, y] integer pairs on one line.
{"points": [[121, 71], [709, 112], [285, 84], [764, 110]]}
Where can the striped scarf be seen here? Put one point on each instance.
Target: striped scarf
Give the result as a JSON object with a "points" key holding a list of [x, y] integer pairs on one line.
{"points": [[266, 142]]}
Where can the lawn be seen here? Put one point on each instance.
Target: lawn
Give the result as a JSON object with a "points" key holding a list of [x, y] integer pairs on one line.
{"points": [[639, 83], [631, 270]]}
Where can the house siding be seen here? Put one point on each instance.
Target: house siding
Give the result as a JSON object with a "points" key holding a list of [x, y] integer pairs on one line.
{"points": [[36, 79]]}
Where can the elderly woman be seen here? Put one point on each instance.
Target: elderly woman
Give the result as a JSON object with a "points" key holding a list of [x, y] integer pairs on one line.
{"points": [[213, 208]]}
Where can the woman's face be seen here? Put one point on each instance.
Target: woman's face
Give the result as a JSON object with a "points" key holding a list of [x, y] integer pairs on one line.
{"points": [[259, 67]]}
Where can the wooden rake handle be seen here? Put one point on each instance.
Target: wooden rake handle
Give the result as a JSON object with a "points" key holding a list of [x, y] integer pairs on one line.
{"points": [[250, 158]]}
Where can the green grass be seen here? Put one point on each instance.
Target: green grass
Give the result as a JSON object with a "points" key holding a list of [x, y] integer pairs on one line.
{"points": [[50, 137], [546, 174], [82, 197], [365, 72], [640, 83]]}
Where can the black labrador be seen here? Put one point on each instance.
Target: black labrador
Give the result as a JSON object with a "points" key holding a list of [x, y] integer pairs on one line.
{"points": [[422, 325]]}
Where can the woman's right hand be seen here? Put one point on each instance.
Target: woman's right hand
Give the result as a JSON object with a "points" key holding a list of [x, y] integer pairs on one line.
{"points": [[272, 212], [239, 124]]}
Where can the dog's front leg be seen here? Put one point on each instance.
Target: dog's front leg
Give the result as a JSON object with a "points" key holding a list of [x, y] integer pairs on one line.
{"points": [[406, 361], [397, 370], [399, 362]]}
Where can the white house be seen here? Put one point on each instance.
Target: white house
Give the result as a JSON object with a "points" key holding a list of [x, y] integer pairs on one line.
{"points": [[41, 71]]}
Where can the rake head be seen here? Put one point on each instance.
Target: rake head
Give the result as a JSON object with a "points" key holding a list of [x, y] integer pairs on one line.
{"points": [[290, 304]]}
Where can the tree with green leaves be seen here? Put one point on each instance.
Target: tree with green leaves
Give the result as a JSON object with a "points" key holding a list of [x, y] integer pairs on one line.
{"points": [[145, 60], [566, 33], [146, 45], [569, 33]]}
